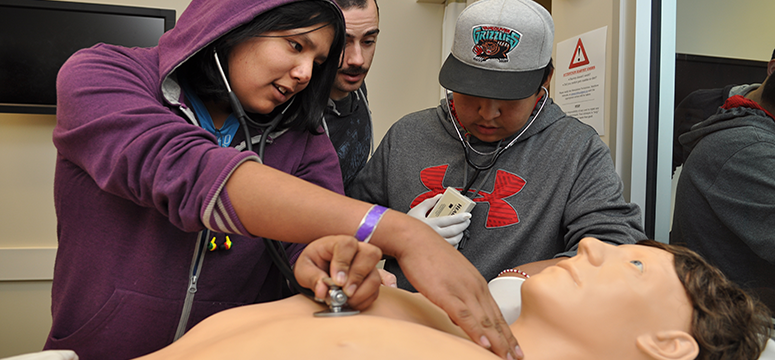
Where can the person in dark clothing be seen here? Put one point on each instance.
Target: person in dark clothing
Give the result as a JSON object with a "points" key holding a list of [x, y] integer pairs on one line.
{"points": [[347, 119], [725, 198]]}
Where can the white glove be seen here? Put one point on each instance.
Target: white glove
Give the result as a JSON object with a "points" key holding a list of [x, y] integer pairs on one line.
{"points": [[450, 227]]}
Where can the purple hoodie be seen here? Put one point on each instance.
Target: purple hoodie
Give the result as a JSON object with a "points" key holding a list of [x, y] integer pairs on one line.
{"points": [[136, 182]]}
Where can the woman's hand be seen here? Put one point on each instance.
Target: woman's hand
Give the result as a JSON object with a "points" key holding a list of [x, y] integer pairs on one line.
{"points": [[349, 263]]}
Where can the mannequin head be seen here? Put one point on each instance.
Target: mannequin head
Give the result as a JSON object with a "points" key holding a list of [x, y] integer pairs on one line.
{"points": [[638, 302], [727, 323]]}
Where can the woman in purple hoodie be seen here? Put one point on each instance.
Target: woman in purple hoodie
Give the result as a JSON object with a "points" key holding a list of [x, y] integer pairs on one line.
{"points": [[159, 208]]}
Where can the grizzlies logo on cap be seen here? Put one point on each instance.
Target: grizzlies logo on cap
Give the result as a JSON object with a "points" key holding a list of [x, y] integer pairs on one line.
{"points": [[494, 42], [512, 44]]}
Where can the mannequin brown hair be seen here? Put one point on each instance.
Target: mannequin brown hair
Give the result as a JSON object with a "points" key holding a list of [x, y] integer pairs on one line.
{"points": [[727, 323]]}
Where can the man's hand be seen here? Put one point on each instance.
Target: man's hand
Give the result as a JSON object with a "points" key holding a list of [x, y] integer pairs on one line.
{"points": [[450, 227], [450, 281], [447, 279], [350, 263], [388, 278]]}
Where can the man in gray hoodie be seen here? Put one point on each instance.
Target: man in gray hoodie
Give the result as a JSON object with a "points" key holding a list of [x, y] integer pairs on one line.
{"points": [[725, 199], [541, 180]]}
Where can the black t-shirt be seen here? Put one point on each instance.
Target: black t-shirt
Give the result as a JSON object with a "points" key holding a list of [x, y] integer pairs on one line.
{"points": [[349, 127]]}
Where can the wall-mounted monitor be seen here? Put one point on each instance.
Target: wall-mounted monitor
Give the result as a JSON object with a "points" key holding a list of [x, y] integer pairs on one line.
{"points": [[37, 36]]}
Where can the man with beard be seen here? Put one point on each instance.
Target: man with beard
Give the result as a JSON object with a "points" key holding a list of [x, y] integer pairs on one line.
{"points": [[347, 119], [725, 199]]}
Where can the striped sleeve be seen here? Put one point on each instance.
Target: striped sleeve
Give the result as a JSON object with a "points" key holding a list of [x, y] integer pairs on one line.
{"points": [[219, 214]]}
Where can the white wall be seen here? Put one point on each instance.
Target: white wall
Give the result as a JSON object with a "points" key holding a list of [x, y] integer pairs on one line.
{"points": [[27, 221], [741, 29], [404, 75]]}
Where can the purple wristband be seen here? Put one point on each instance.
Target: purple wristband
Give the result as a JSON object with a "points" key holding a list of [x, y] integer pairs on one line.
{"points": [[369, 223]]}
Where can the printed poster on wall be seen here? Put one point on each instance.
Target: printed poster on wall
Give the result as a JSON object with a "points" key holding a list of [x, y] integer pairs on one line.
{"points": [[579, 77]]}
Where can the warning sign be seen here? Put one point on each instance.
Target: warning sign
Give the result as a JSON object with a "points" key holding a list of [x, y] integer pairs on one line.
{"points": [[579, 88], [579, 56]]}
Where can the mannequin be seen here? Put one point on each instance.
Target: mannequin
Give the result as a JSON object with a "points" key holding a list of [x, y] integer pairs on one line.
{"points": [[635, 289], [608, 302]]}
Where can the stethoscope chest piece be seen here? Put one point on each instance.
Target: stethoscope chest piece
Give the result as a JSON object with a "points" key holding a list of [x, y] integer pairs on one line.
{"points": [[337, 303]]}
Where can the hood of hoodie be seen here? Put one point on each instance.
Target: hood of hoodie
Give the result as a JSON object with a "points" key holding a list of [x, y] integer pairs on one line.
{"points": [[201, 23], [736, 112]]}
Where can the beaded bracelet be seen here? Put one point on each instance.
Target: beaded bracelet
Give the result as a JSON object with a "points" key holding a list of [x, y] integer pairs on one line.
{"points": [[369, 223], [518, 271]]}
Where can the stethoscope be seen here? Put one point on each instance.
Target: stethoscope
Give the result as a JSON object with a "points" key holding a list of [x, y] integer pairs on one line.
{"points": [[244, 119], [495, 154], [275, 248]]}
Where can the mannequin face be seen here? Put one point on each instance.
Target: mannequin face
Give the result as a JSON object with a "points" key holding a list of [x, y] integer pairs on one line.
{"points": [[608, 292]]}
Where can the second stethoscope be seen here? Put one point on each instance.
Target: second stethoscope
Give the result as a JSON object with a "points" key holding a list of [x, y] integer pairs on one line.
{"points": [[467, 148]]}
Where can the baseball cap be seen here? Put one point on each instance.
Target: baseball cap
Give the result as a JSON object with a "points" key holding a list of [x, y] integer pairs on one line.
{"points": [[500, 50]]}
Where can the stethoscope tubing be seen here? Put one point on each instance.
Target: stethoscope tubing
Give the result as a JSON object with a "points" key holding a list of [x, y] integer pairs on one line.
{"points": [[467, 148], [274, 248]]}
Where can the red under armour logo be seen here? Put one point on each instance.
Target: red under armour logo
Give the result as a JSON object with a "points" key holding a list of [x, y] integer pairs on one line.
{"points": [[500, 213]]}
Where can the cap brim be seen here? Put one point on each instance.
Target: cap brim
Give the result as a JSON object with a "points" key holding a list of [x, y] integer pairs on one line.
{"points": [[502, 85]]}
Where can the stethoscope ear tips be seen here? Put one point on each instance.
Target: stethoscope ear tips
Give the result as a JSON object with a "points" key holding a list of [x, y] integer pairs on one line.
{"points": [[226, 244], [212, 245]]}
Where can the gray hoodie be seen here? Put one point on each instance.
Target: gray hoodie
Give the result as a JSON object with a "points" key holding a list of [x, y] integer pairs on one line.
{"points": [[725, 200], [554, 186]]}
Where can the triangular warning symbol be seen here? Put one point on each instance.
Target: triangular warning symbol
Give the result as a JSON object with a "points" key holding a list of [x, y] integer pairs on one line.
{"points": [[579, 56]]}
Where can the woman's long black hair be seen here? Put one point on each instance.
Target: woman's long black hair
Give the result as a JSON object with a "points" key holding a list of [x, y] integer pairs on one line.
{"points": [[306, 111]]}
